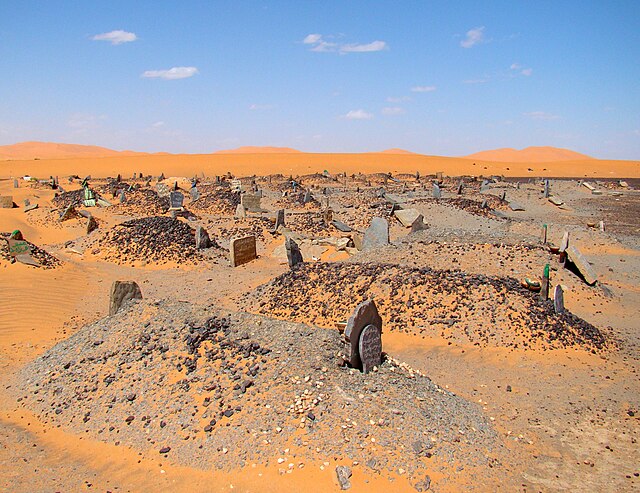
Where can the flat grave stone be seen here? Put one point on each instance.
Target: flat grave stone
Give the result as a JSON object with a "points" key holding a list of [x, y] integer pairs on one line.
{"points": [[370, 348], [377, 234], [406, 216], [515, 206], [251, 202], [30, 207], [340, 226], [121, 292], [243, 250], [556, 200], [366, 313]]}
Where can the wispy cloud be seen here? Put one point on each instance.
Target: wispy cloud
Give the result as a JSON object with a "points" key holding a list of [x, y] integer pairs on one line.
{"points": [[474, 36], [400, 99], [319, 44], [116, 37], [158, 124], [393, 110], [358, 115], [480, 80], [541, 115], [261, 107], [171, 74], [517, 68], [423, 88]]}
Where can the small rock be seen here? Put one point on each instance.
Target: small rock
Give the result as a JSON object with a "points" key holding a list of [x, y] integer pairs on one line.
{"points": [[164, 450], [344, 473], [423, 485]]}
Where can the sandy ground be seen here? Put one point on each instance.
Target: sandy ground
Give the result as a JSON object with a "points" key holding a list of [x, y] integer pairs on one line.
{"points": [[570, 417]]}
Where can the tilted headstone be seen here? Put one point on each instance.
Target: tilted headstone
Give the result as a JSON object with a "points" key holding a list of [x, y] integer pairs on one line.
{"points": [[280, 221], [365, 314], [202, 238], [370, 348], [503, 196], [119, 178], [294, 255], [251, 202], [6, 202], [582, 265], [68, 213], [377, 234], [92, 224], [327, 216], [241, 212], [418, 224], [439, 175], [236, 186], [564, 244], [176, 199], [406, 216], [558, 299], [243, 250], [121, 292], [437, 193]]}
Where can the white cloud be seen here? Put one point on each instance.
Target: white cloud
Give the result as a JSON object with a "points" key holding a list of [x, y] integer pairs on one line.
{"points": [[319, 44], [116, 37], [423, 89], [158, 124], [522, 70], [393, 110], [474, 36], [172, 73], [541, 115], [364, 48], [358, 115], [260, 107]]}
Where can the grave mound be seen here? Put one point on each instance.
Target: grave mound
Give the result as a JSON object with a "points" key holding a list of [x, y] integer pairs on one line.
{"points": [[216, 200], [457, 307], [46, 260], [141, 202], [65, 199], [196, 383]]}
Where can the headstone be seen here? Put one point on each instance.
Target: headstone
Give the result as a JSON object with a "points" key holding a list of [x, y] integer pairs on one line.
{"points": [[370, 348], [418, 224], [546, 189], [515, 206], [68, 213], [202, 238], [340, 226], [503, 196], [601, 224], [545, 230], [176, 200], [243, 250], [241, 212], [195, 195], [16, 184], [236, 186], [377, 234], [307, 197], [439, 175], [544, 290], [123, 197], [6, 202], [92, 224], [279, 219], [18, 246], [163, 190], [564, 244], [406, 216], [251, 202], [437, 193], [121, 292], [365, 314], [558, 299], [582, 265], [460, 187], [30, 207], [119, 178], [294, 256]]}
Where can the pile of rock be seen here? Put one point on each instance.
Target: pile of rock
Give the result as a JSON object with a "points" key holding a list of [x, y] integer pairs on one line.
{"points": [[219, 200], [143, 202], [65, 199]]}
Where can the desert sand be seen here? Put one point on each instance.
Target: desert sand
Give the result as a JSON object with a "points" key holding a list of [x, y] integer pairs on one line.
{"points": [[484, 387]]}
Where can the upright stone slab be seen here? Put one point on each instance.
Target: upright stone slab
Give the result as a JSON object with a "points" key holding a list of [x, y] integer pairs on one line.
{"points": [[241, 212], [162, 190], [195, 195], [564, 244], [366, 313], [251, 202], [121, 292], [543, 235], [202, 238], [418, 224], [460, 187], [294, 255], [327, 217], [582, 264], [18, 246], [6, 202], [437, 193], [123, 197], [558, 299], [16, 184], [377, 234], [544, 289], [92, 224], [176, 199], [370, 348], [243, 250], [279, 219], [546, 189], [307, 197]]}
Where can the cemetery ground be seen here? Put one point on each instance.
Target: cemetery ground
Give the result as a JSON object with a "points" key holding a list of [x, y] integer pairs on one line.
{"points": [[232, 378]]}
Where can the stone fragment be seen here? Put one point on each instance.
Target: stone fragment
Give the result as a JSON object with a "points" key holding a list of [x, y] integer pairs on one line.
{"points": [[558, 299], [279, 220], [340, 226], [68, 213], [121, 292], [406, 216], [202, 238], [343, 474], [418, 224], [515, 206], [92, 224], [294, 256], [377, 234], [195, 195]]}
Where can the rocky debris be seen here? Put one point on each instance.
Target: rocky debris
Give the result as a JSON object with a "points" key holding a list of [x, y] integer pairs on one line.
{"points": [[309, 223], [152, 239], [144, 202], [205, 383], [216, 200], [44, 258], [65, 199], [459, 307], [256, 226]]}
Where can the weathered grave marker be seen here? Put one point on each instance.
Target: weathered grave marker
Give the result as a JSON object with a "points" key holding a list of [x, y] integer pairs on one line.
{"points": [[365, 314], [163, 190], [546, 189], [544, 290], [418, 224], [460, 187], [370, 348], [121, 292], [243, 250], [251, 202], [582, 265], [294, 256], [406, 216], [558, 299], [16, 184], [92, 224], [176, 199], [30, 207], [18, 246], [377, 234], [6, 202], [195, 195], [241, 212], [202, 238], [439, 175], [279, 219], [437, 193], [236, 186], [123, 197], [545, 231], [515, 206]]}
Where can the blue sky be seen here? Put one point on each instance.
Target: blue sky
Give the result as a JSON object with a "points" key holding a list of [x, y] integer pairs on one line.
{"points": [[441, 78]]}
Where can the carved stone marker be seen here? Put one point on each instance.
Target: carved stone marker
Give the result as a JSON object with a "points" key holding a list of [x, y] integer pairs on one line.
{"points": [[202, 238], [279, 220], [243, 250], [377, 234], [92, 224], [176, 199], [582, 264], [558, 299], [370, 348], [556, 201], [6, 202], [251, 202], [294, 255], [18, 247], [437, 193], [364, 315], [121, 292]]}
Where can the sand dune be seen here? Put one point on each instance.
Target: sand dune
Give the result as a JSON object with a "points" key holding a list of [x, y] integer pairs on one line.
{"points": [[53, 150], [395, 150], [529, 155], [259, 150]]}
